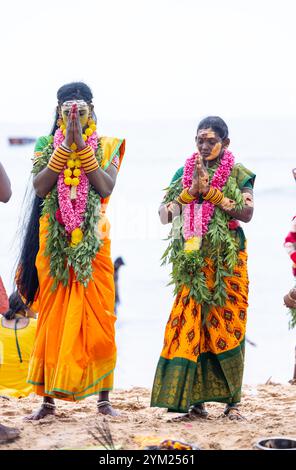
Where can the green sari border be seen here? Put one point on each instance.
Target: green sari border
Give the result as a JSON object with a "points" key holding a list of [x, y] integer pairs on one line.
{"points": [[66, 392], [35, 383], [232, 395], [77, 397]]}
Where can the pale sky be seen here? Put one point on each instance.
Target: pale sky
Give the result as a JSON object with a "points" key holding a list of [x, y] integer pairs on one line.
{"points": [[150, 58]]}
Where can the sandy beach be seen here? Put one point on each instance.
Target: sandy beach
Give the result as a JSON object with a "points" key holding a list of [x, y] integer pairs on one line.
{"points": [[269, 411]]}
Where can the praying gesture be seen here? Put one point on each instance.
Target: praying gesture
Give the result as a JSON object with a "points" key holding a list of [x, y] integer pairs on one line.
{"points": [[74, 129], [200, 181]]}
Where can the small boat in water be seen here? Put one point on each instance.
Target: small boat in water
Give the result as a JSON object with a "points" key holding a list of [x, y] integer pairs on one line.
{"points": [[21, 140]]}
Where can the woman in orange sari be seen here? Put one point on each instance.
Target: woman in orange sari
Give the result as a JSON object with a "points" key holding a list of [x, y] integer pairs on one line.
{"points": [[71, 280]]}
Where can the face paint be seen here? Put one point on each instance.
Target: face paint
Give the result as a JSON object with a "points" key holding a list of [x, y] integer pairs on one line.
{"points": [[83, 110], [207, 134], [215, 152], [209, 144]]}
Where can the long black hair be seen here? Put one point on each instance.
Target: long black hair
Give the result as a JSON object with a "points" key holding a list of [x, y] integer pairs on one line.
{"points": [[16, 305], [217, 124], [26, 275]]}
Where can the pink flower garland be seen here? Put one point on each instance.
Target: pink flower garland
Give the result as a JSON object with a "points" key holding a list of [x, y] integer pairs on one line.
{"points": [[197, 217], [72, 211]]}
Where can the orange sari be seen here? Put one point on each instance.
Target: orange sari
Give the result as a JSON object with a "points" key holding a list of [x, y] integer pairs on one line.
{"points": [[74, 354]]}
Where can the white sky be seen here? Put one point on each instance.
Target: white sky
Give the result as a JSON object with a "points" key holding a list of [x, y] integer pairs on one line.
{"points": [[149, 58]]}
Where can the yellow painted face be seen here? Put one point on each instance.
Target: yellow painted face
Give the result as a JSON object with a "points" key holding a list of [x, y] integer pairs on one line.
{"points": [[83, 110], [215, 152], [209, 144]]}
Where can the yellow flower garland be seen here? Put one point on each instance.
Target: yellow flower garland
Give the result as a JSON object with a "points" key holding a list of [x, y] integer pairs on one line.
{"points": [[72, 172]]}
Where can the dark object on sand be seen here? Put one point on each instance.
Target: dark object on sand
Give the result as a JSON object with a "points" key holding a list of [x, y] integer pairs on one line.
{"points": [[276, 443], [117, 264], [21, 140], [8, 434]]}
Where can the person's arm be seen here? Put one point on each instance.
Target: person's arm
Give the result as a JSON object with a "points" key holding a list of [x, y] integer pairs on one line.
{"points": [[102, 181], [45, 181], [246, 213], [167, 212], [5, 187], [47, 178]]}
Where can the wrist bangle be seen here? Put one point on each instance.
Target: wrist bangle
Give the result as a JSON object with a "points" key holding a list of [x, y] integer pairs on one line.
{"points": [[65, 147], [88, 159], [185, 197], [214, 196], [58, 159]]}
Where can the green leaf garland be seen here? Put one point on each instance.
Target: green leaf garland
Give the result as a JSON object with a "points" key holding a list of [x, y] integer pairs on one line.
{"points": [[219, 244], [62, 255]]}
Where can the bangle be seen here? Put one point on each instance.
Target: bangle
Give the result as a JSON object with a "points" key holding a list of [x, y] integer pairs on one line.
{"points": [[58, 159], [88, 159], [211, 192], [185, 197], [65, 147], [214, 196]]}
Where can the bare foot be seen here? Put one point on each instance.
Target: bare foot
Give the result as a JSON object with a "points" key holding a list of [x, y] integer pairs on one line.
{"points": [[8, 434], [195, 413], [199, 411], [43, 411], [105, 408], [233, 413]]}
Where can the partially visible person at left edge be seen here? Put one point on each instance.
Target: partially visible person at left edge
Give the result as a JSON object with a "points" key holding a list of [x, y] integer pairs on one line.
{"points": [[17, 334], [5, 194], [6, 433], [65, 264]]}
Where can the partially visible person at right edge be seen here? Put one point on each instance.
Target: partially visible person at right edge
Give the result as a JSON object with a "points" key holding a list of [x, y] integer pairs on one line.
{"points": [[290, 298], [6, 434], [203, 354]]}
